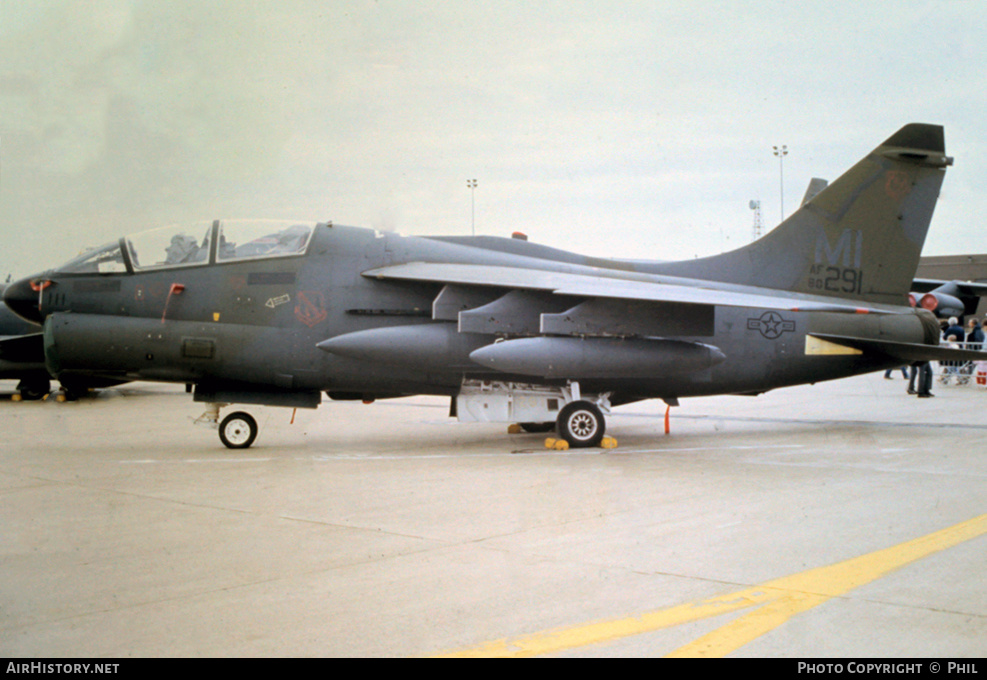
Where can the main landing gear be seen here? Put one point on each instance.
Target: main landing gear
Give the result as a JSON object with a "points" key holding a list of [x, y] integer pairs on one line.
{"points": [[32, 389], [581, 424], [578, 418]]}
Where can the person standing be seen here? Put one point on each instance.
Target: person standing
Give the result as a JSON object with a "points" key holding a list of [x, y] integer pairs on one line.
{"points": [[974, 335], [904, 373], [954, 328], [921, 377]]}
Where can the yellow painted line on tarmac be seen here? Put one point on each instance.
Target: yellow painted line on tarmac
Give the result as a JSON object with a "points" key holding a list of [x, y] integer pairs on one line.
{"points": [[775, 602]]}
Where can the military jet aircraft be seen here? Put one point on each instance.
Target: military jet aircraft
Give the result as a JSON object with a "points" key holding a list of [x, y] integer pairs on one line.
{"points": [[22, 358], [254, 312], [947, 298]]}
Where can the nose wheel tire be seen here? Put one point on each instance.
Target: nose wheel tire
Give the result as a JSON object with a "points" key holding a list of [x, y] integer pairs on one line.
{"points": [[581, 424], [238, 430]]}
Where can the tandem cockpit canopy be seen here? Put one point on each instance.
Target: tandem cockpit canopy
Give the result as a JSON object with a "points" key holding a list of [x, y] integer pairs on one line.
{"points": [[195, 244]]}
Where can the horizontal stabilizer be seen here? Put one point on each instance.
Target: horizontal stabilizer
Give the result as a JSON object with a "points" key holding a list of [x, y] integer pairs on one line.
{"points": [[907, 352]]}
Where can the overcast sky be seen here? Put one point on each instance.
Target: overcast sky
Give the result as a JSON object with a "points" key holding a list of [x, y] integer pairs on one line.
{"points": [[614, 128]]}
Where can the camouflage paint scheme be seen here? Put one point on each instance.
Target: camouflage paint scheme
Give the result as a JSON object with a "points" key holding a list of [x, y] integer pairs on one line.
{"points": [[360, 314]]}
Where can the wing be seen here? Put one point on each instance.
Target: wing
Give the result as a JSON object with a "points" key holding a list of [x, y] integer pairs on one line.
{"points": [[970, 288], [617, 285], [582, 315]]}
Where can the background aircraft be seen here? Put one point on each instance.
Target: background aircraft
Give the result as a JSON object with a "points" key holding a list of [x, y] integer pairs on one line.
{"points": [[969, 270], [947, 298], [21, 356], [277, 313]]}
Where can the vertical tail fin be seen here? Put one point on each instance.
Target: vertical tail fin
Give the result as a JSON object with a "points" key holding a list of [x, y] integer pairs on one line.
{"points": [[860, 237]]}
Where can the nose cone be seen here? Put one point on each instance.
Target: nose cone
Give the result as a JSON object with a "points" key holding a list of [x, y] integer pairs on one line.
{"points": [[23, 298]]}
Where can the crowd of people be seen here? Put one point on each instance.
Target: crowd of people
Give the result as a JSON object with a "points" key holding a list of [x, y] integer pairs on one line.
{"points": [[953, 334]]}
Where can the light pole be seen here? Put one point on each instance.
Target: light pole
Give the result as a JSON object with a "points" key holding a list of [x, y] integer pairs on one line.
{"points": [[781, 152], [471, 183]]}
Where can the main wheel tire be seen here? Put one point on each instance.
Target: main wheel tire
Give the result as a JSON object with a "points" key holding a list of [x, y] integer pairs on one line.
{"points": [[238, 430], [582, 424]]}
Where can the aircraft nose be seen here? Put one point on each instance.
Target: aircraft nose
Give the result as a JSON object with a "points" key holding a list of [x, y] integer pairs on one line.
{"points": [[23, 297]]}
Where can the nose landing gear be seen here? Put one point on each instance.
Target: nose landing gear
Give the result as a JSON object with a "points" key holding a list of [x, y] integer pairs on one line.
{"points": [[238, 430], [577, 417]]}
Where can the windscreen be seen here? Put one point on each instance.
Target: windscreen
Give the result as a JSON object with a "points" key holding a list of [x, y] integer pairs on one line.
{"points": [[107, 259]]}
